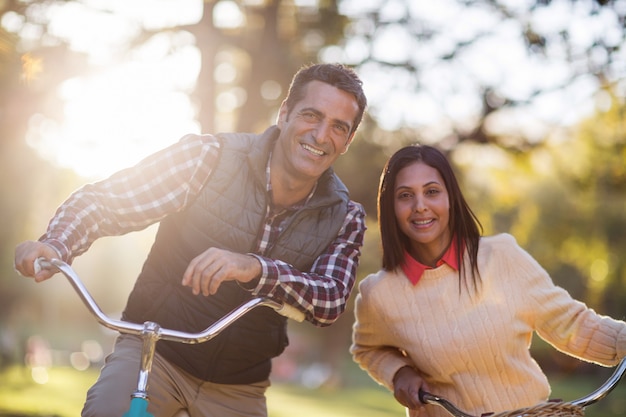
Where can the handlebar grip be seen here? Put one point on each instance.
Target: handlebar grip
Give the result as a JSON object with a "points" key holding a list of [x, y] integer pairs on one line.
{"points": [[423, 396], [37, 265], [291, 312], [42, 263]]}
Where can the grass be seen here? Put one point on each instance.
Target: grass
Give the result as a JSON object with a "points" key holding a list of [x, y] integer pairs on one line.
{"points": [[288, 401], [63, 394]]}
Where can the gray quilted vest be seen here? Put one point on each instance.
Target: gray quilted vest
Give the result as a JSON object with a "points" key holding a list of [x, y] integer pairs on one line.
{"points": [[229, 214]]}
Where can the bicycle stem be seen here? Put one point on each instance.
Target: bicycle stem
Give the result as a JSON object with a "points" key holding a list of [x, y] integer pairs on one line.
{"points": [[150, 336]]}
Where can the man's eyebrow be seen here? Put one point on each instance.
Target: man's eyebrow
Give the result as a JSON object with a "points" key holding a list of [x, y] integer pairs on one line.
{"points": [[312, 110]]}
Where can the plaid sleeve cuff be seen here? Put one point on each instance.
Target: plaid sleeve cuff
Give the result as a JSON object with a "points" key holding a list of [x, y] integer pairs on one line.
{"points": [[61, 250], [268, 280]]}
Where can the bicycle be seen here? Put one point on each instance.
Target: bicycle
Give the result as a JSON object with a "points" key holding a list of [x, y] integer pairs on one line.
{"points": [[151, 332], [551, 408]]}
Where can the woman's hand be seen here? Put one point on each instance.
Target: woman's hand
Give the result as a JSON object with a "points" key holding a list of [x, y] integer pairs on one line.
{"points": [[406, 386]]}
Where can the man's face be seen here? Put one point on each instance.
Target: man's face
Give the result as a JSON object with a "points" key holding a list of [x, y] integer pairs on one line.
{"points": [[316, 131]]}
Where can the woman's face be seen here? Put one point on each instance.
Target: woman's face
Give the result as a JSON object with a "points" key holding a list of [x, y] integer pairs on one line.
{"points": [[422, 209]]}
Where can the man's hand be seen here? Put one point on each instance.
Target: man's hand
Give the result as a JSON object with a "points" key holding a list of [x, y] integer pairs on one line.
{"points": [[406, 385], [207, 271], [25, 255]]}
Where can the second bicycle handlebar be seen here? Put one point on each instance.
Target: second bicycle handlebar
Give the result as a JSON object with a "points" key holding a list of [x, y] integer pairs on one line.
{"points": [[595, 396]]}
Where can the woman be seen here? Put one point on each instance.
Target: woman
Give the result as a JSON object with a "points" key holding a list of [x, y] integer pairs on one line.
{"points": [[452, 312]]}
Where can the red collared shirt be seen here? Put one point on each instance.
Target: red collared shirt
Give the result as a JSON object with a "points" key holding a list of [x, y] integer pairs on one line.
{"points": [[414, 269]]}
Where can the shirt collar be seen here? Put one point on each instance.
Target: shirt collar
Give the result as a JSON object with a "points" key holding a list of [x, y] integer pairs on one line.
{"points": [[414, 269]]}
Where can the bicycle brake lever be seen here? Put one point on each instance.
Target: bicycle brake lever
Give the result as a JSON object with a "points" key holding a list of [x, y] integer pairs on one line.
{"points": [[428, 398]]}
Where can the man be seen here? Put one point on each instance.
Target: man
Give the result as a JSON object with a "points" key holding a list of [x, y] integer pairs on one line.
{"points": [[240, 215]]}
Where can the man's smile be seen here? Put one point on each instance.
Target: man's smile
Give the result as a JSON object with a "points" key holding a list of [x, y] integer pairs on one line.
{"points": [[313, 150]]}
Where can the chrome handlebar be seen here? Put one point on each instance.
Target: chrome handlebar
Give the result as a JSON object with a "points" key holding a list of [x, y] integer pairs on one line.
{"points": [[595, 396], [163, 333], [151, 332]]}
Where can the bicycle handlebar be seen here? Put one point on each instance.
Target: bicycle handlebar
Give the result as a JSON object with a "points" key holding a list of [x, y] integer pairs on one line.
{"points": [[595, 396], [605, 388], [163, 333]]}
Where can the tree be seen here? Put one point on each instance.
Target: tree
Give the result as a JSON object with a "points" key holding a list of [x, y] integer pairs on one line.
{"points": [[595, 173], [30, 70], [262, 47], [486, 71]]}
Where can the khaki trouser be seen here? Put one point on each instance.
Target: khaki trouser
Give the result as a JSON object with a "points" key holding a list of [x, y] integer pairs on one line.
{"points": [[170, 389]]}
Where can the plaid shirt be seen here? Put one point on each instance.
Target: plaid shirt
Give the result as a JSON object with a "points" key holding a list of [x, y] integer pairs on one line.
{"points": [[164, 183]]}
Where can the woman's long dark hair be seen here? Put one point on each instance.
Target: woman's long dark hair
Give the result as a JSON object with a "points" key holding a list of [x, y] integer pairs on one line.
{"points": [[464, 225]]}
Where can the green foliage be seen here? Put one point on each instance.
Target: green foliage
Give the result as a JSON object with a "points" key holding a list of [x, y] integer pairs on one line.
{"points": [[563, 200], [582, 215]]}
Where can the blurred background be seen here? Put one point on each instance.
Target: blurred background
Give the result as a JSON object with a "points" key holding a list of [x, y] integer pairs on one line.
{"points": [[527, 98]]}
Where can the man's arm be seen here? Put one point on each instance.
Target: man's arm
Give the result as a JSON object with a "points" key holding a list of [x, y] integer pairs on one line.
{"points": [[323, 291], [133, 198]]}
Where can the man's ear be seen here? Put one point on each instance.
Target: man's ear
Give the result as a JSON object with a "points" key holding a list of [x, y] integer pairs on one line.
{"points": [[347, 145], [283, 113]]}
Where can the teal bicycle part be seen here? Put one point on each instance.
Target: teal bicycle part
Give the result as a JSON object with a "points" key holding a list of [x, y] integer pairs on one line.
{"points": [[138, 408]]}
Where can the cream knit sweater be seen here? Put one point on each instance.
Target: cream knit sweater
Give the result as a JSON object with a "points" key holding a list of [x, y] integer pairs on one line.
{"points": [[473, 349]]}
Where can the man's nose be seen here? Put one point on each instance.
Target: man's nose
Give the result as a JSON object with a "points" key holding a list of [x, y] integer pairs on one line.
{"points": [[322, 131]]}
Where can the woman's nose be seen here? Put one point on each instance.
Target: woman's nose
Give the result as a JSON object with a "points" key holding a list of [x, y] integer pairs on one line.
{"points": [[419, 205]]}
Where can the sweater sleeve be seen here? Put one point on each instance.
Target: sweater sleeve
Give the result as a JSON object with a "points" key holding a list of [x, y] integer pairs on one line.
{"points": [[568, 324], [372, 342]]}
